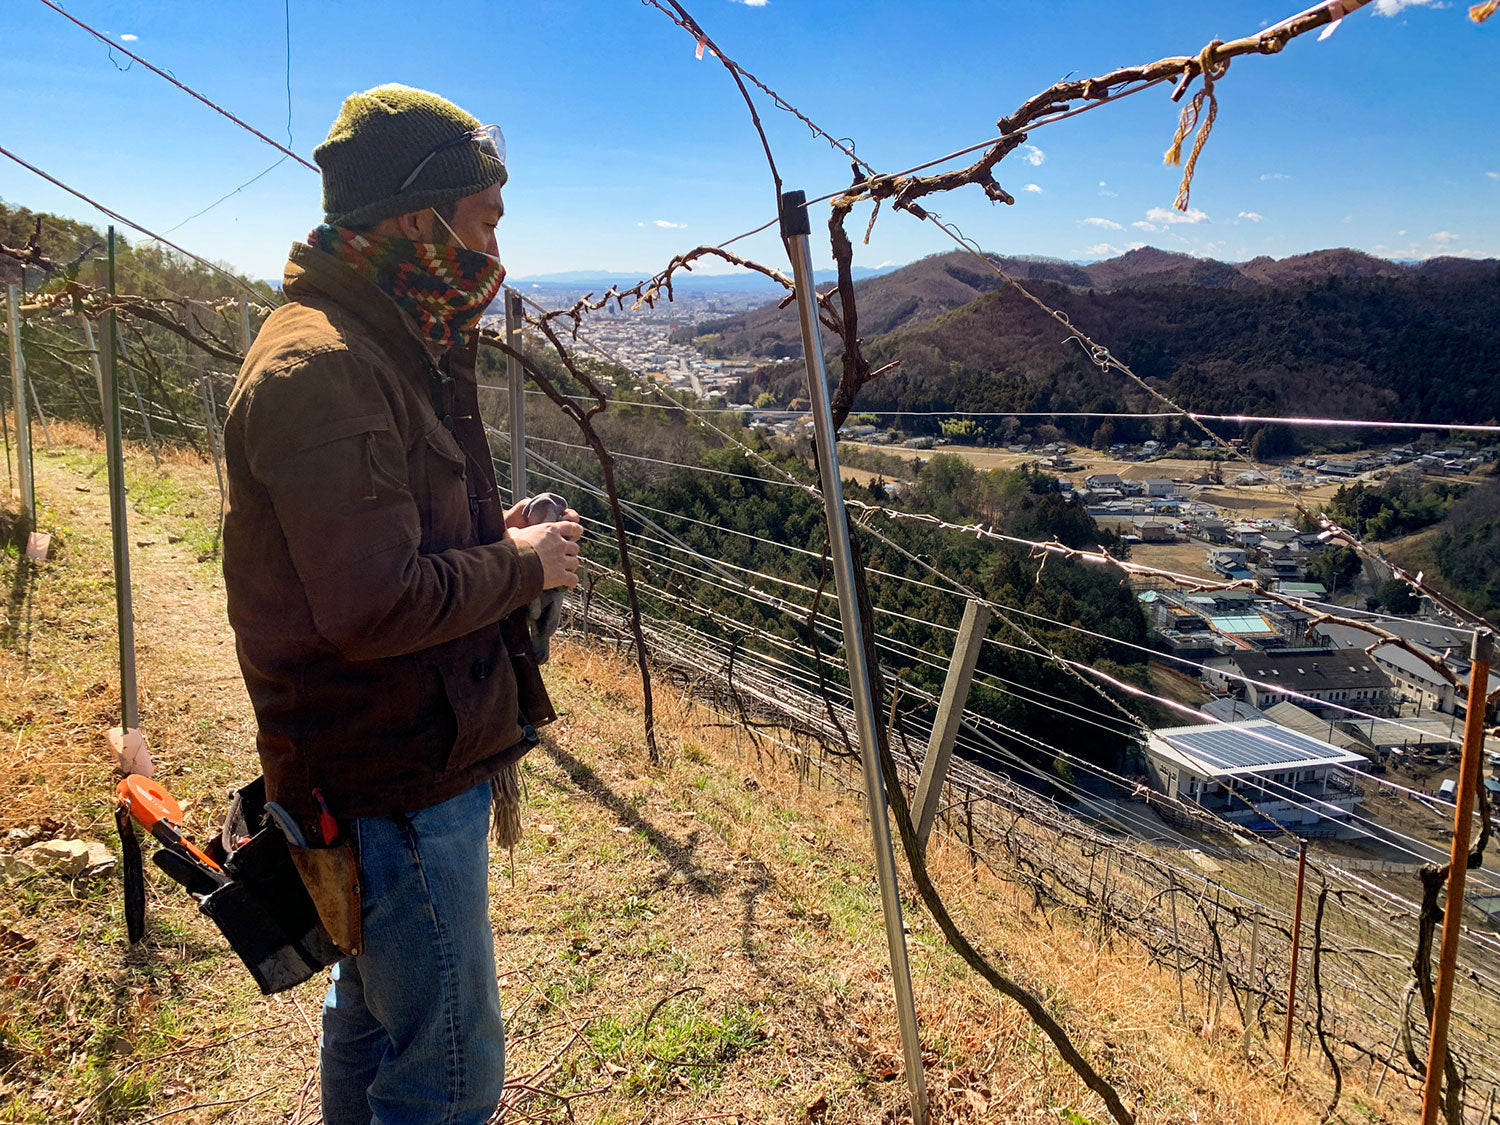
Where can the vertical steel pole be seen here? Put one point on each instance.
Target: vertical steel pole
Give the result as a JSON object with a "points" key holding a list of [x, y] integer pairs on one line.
{"points": [[515, 377], [118, 517], [245, 336], [1458, 862], [1250, 979], [23, 421], [1177, 949], [206, 396], [40, 413], [1291, 988], [88, 338], [795, 232]]}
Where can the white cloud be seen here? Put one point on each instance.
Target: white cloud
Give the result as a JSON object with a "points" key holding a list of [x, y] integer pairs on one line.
{"points": [[752, 3], [1400, 234], [1270, 177], [128, 38], [1444, 237], [1251, 216], [665, 225], [1035, 189], [1493, 175], [1394, 7], [1170, 216], [1033, 155], [1141, 224], [1102, 250], [1106, 191], [1136, 246], [1095, 221]]}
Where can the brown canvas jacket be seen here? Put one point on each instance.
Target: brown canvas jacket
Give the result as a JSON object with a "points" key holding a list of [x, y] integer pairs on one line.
{"points": [[377, 602]]}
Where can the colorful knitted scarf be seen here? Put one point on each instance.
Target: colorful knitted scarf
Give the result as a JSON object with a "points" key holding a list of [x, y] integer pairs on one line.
{"points": [[444, 289]]}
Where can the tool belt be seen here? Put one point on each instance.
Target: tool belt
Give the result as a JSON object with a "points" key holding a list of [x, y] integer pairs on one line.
{"points": [[251, 881]]}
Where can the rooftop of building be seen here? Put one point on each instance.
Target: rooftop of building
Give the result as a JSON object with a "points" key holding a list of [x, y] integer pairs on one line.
{"points": [[1254, 746]]}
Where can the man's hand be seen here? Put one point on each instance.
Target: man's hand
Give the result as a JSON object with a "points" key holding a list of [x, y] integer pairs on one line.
{"points": [[515, 515], [556, 544]]}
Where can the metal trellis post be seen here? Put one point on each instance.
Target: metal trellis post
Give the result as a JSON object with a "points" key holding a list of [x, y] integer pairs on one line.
{"points": [[23, 422], [210, 406], [1481, 654], [515, 378], [950, 714], [1250, 978], [118, 518], [245, 334], [795, 232], [1291, 987], [37, 402]]}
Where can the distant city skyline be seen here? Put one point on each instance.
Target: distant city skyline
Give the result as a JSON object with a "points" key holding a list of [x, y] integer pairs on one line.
{"points": [[626, 149]]}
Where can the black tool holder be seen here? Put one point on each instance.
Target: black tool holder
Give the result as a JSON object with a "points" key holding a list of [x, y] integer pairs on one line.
{"points": [[264, 910], [259, 903]]}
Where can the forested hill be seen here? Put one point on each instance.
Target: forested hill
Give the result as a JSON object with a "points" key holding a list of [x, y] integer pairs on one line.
{"points": [[934, 285], [1374, 339]]}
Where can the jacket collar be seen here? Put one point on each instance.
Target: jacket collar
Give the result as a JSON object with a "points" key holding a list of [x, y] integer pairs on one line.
{"points": [[311, 272]]}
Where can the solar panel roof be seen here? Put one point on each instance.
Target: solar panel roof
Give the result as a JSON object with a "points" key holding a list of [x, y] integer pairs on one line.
{"points": [[1251, 747]]}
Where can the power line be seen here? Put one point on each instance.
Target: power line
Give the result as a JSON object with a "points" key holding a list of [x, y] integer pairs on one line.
{"points": [[105, 39], [119, 218]]}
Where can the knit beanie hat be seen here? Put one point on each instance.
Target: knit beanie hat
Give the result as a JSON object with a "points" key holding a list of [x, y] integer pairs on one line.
{"points": [[376, 141]]}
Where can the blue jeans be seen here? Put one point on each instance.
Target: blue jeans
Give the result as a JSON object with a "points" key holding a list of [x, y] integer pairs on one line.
{"points": [[411, 1027]]}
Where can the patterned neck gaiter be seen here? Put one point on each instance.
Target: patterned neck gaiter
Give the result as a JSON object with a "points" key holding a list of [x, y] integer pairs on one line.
{"points": [[444, 289]]}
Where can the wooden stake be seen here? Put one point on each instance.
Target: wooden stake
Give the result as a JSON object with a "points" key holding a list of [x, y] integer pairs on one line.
{"points": [[1458, 862]]}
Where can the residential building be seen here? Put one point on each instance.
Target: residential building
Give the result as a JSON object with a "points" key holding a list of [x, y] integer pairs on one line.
{"points": [[1414, 680], [1326, 681]]}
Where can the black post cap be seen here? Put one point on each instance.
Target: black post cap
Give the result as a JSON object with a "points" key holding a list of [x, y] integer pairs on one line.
{"points": [[794, 214]]}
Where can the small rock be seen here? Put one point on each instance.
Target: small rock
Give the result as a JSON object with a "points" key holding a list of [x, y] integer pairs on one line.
{"points": [[101, 861], [18, 838], [64, 857], [16, 865]]}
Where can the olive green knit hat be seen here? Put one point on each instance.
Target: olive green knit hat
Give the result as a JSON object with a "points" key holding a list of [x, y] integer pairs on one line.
{"points": [[384, 133]]}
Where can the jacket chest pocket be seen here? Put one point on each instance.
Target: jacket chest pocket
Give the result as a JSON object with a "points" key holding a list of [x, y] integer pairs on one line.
{"points": [[444, 493]]}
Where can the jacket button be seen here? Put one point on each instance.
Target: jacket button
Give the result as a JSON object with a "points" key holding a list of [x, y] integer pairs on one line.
{"points": [[480, 669]]}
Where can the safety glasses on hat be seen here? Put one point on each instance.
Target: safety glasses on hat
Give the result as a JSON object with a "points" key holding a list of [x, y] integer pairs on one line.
{"points": [[490, 140]]}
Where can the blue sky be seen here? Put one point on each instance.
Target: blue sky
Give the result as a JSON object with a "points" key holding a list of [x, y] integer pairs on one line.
{"points": [[625, 149]]}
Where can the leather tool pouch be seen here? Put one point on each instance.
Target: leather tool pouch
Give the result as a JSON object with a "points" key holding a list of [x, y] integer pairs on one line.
{"points": [[331, 877], [264, 910]]}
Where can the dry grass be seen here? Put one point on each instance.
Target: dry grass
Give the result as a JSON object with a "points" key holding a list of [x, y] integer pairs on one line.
{"points": [[722, 889]]}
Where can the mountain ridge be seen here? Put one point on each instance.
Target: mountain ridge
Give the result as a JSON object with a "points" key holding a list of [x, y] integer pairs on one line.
{"points": [[941, 283]]}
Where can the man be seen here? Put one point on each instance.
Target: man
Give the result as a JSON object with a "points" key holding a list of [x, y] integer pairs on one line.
{"points": [[377, 590]]}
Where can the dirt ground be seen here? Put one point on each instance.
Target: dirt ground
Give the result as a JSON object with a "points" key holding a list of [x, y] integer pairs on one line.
{"points": [[694, 940]]}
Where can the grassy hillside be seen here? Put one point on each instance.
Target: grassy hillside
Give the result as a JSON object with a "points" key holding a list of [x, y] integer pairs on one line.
{"points": [[694, 941]]}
